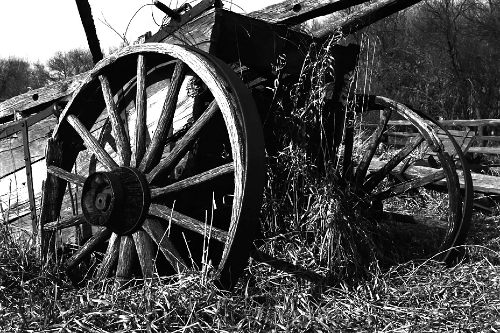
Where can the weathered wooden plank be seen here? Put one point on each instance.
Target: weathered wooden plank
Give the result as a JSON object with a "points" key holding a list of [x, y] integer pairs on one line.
{"points": [[449, 122], [41, 96], [482, 183], [363, 16], [29, 177], [12, 150], [294, 12]]}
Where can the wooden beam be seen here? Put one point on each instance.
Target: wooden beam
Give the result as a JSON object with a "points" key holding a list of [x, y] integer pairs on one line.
{"points": [[364, 16], [482, 183], [451, 122], [292, 12]]}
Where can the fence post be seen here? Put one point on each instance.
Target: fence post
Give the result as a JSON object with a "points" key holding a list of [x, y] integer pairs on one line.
{"points": [[29, 177]]}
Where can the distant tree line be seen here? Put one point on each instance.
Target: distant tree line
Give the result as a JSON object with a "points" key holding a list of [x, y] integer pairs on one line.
{"points": [[440, 56], [17, 75]]}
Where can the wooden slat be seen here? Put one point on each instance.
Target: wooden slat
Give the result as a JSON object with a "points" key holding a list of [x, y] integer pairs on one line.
{"points": [[184, 144], [372, 147], [378, 175], [450, 122], [40, 96], [66, 223], [125, 259], [110, 258], [68, 176], [158, 233], [119, 133], [155, 149], [187, 222], [91, 143], [482, 183], [84, 251], [145, 252], [194, 180], [140, 107]]}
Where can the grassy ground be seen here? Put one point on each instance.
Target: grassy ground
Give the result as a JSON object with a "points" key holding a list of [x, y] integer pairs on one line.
{"points": [[415, 296]]}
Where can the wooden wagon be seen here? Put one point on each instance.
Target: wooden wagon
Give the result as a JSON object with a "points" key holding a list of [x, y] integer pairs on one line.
{"points": [[158, 153]]}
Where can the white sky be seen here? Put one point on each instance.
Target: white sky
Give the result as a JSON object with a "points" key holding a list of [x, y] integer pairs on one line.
{"points": [[36, 29]]}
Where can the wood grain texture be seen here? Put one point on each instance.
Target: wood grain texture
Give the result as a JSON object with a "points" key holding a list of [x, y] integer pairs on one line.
{"points": [[362, 16], [91, 143], [67, 176], [482, 183], [183, 144], [193, 180], [158, 233], [140, 108], [155, 149], [295, 11], [401, 188], [145, 252], [110, 258], [377, 176], [53, 193], [187, 222], [98, 238], [370, 150], [126, 255], [65, 223], [118, 128]]}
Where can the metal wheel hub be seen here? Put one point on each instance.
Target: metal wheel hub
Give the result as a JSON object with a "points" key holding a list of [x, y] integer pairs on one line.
{"points": [[118, 199]]}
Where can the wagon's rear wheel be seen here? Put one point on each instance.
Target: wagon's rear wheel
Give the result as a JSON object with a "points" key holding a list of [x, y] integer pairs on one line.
{"points": [[172, 174], [410, 179]]}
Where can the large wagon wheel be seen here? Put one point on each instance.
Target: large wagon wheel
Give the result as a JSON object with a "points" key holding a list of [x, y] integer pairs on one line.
{"points": [[416, 185], [173, 170]]}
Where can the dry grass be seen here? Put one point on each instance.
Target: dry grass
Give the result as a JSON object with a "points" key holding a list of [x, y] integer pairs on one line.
{"points": [[416, 296]]}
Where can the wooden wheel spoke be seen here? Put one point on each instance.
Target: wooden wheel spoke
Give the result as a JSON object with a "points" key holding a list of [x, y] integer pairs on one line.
{"points": [[183, 144], [372, 147], [406, 186], [155, 149], [158, 233], [377, 176], [110, 257], [66, 223], [122, 142], [187, 222], [194, 180], [67, 176], [145, 252], [87, 248], [91, 143], [140, 106], [125, 259]]}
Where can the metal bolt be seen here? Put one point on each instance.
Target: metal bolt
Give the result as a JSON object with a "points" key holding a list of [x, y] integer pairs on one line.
{"points": [[102, 201]]}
